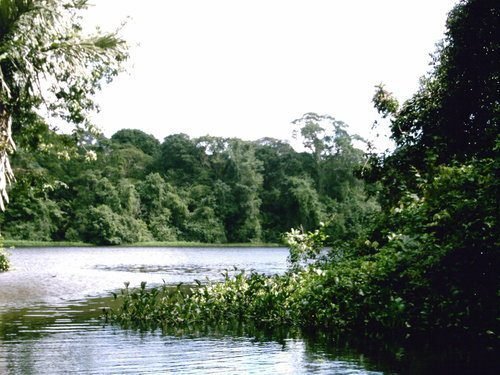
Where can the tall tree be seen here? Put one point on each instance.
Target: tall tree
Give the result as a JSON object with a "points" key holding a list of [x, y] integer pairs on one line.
{"points": [[180, 160], [455, 114], [441, 181], [280, 162], [135, 137], [46, 60], [246, 181], [335, 157]]}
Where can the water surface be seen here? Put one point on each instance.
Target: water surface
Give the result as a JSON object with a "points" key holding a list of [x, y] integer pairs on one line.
{"points": [[57, 275], [50, 309]]}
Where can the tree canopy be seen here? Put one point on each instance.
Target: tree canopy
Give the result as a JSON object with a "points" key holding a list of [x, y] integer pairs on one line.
{"points": [[207, 189], [454, 115]]}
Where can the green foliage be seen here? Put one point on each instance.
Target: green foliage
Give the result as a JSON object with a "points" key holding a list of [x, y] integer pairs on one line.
{"points": [[161, 228], [439, 223], [102, 226], [35, 215], [350, 219], [384, 101], [454, 115], [204, 226], [125, 161], [304, 200], [280, 163], [44, 41], [243, 192], [137, 138], [4, 260], [447, 238], [180, 161], [243, 297], [304, 246], [162, 208], [246, 180], [88, 188], [341, 297], [414, 280]]}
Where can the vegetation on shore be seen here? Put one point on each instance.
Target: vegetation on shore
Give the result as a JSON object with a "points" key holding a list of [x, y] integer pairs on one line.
{"points": [[21, 243], [24, 243], [132, 188], [202, 244], [48, 64], [204, 190]]}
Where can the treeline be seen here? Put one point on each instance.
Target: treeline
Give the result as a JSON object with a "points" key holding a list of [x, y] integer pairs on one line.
{"points": [[132, 188]]}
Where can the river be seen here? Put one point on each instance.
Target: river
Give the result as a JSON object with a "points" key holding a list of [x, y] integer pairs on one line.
{"points": [[50, 318]]}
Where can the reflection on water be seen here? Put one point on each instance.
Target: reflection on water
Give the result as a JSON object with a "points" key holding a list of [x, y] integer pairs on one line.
{"points": [[50, 308], [182, 269], [72, 339]]}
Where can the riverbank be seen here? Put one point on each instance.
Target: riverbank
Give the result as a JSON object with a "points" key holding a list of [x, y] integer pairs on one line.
{"points": [[21, 243]]}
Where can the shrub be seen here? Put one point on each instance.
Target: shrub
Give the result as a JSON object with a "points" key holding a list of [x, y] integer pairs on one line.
{"points": [[4, 261]]}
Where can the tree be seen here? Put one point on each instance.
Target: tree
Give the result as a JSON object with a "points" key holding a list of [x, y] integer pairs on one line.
{"points": [[337, 196], [454, 115], [214, 154], [33, 215], [246, 181], [47, 61], [162, 208], [330, 144], [438, 231], [144, 142], [280, 162], [304, 202], [39, 211], [125, 161], [180, 160]]}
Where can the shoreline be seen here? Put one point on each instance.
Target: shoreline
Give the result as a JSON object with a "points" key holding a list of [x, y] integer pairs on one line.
{"points": [[20, 244]]}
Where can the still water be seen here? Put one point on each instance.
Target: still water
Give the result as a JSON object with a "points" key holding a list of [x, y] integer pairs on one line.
{"points": [[50, 319], [55, 276]]}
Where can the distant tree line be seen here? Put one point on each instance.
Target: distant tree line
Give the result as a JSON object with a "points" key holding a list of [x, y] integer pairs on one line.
{"points": [[132, 188]]}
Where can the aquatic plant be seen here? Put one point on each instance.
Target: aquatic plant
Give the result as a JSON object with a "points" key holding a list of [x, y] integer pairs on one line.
{"points": [[4, 260], [243, 297]]}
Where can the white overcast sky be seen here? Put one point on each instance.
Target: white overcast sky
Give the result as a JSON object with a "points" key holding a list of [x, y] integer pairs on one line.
{"points": [[248, 68]]}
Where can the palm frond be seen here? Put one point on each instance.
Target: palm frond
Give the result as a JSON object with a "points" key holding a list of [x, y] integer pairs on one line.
{"points": [[45, 58]]}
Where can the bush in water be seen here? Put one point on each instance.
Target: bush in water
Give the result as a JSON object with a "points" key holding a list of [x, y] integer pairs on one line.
{"points": [[4, 261]]}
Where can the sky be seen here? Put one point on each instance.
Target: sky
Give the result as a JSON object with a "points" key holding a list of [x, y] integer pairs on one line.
{"points": [[247, 69]]}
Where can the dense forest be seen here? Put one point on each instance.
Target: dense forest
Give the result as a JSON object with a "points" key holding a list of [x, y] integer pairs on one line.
{"points": [[132, 188]]}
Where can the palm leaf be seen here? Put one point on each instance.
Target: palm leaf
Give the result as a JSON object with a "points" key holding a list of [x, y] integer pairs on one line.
{"points": [[46, 58]]}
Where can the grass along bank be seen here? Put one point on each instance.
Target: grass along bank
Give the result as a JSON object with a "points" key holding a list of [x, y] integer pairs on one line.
{"points": [[24, 243], [200, 244]]}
